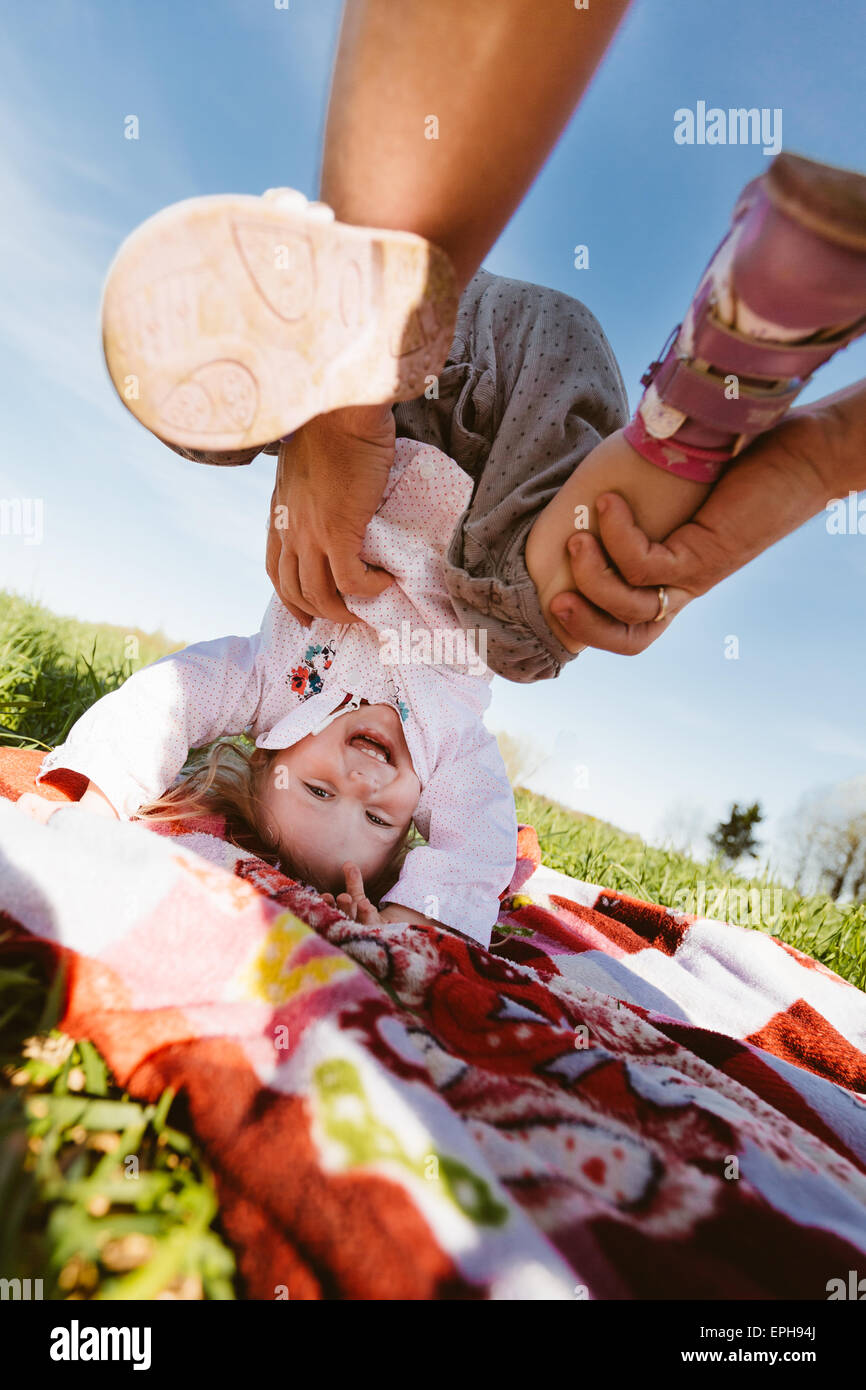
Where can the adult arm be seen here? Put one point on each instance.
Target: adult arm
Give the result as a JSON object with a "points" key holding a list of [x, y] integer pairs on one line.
{"points": [[500, 80], [785, 478]]}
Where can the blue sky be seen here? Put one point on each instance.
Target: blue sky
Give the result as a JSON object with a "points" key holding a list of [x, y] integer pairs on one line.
{"points": [[230, 95]]}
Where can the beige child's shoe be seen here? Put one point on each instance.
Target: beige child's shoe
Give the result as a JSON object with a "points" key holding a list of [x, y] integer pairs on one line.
{"points": [[231, 320]]}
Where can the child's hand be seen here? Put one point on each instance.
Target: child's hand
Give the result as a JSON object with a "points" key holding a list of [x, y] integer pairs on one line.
{"points": [[354, 903], [41, 809]]}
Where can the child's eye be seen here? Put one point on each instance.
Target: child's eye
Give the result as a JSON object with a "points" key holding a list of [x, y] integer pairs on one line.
{"points": [[317, 791], [377, 821]]}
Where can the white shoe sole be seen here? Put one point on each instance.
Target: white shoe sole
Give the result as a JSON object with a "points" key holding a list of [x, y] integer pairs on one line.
{"points": [[230, 321]]}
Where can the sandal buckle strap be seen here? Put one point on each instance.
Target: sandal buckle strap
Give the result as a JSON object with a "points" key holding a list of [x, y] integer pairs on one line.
{"points": [[700, 395], [731, 352]]}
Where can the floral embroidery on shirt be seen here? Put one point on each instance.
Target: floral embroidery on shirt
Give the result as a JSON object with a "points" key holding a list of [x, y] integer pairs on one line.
{"points": [[394, 695], [305, 679]]}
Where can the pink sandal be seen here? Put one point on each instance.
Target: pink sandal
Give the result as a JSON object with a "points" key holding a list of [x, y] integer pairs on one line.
{"points": [[783, 293], [230, 321]]}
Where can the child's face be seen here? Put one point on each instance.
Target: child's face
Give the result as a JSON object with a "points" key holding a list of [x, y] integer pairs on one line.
{"points": [[347, 793]]}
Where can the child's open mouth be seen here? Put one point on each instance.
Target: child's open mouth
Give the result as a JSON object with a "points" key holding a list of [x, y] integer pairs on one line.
{"points": [[373, 747]]}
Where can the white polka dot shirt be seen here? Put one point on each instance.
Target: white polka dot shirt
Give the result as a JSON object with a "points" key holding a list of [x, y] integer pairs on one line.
{"points": [[281, 684]]}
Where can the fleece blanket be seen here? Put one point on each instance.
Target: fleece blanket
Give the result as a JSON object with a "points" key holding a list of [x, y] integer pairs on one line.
{"points": [[615, 1101]]}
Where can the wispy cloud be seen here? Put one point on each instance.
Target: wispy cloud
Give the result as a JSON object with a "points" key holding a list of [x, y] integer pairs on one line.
{"points": [[104, 480]]}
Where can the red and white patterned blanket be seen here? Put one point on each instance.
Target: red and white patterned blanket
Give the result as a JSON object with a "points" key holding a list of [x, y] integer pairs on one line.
{"points": [[627, 1103]]}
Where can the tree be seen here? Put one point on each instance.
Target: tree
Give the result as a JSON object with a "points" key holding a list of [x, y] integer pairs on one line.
{"points": [[736, 835], [825, 840], [839, 857]]}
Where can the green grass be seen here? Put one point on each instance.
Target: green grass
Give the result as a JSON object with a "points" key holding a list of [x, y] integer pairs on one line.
{"points": [[52, 669], [101, 1197], [69, 1136], [834, 933]]}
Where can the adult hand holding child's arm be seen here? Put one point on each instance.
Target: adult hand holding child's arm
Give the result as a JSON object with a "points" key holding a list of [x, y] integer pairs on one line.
{"points": [[331, 475], [777, 484]]}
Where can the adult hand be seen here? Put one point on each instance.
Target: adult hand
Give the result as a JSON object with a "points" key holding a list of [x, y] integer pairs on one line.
{"points": [[330, 478], [778, 483], [613, 609]]}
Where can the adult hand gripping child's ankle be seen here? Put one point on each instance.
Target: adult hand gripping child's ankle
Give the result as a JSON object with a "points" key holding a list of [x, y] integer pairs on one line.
{"points": [[782, 294], [660, 502], [784, 478]]}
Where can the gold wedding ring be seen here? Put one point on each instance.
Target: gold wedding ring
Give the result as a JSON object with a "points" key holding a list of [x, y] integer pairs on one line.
{"points": [[663, 605]]}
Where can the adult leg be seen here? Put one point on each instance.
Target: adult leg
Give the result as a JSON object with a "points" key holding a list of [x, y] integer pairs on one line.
{"points": [[500, 81]]}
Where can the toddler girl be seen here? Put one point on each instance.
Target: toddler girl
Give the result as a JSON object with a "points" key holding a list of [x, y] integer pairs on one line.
{"points": [[359, 735]]}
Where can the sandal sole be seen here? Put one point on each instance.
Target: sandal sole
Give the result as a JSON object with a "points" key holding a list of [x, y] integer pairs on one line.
{"points": [[230, 321], [821, 197]]}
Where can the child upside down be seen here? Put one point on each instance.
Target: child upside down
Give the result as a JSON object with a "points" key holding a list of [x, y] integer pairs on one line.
{"points": [[523, 434]]}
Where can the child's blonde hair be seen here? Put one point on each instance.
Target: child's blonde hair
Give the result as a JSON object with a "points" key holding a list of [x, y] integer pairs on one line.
{"points": [[226, 780]]}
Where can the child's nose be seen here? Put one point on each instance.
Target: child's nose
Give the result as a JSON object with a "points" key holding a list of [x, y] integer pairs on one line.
{"points": [[362, 777]]}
